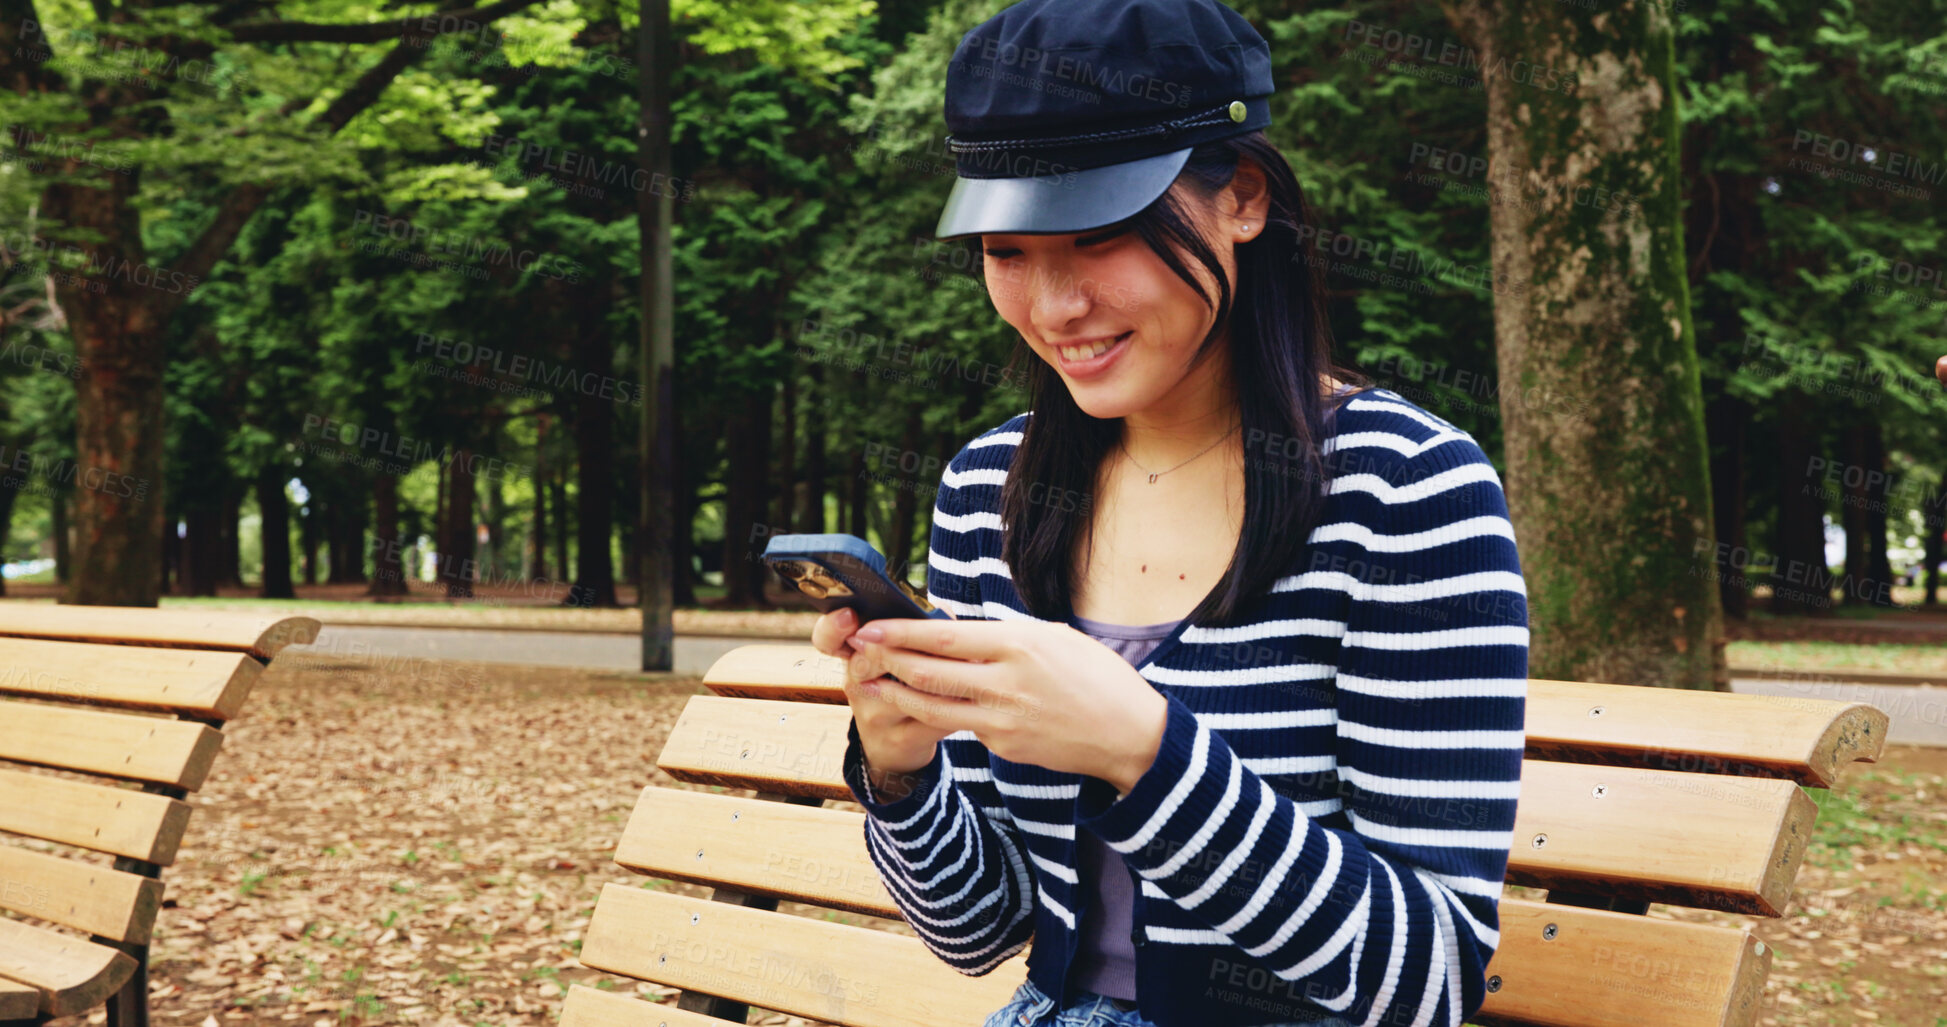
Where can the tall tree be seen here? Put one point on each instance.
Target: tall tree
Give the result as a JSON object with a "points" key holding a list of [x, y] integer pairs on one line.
{"points": [[1610, 509], [124, 297]]}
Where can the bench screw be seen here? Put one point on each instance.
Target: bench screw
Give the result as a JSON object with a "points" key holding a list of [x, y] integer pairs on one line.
{"points": [[1494, 983], [699, 854], [734, 814], [694, 917], [1601, 790], [780, 718], [1595, 711], [664, 958], [744, 755], [1541, 840], [1548, 932]]}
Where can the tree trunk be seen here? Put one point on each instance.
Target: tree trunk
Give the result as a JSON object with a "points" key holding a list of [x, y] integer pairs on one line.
{"points": [[230, 552], [201, 560], [1852, 516], [595, 461], [57, 506], [1800, 584], [559, 489], [10, 486], [747, 500], [905, 506], [1728, 416], [119, 508], [456, 543], [1608, 473], [682, 534], [1933, 520], [171, 562], [790, 488], [308, 533], [345, 526], [810, 516], [486, 561], [1879, 562], [537, 536], [388, 566], [861, 493], [274, 507]]}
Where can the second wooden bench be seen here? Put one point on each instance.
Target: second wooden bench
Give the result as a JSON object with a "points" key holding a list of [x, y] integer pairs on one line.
{"points": [[1629, 796]]}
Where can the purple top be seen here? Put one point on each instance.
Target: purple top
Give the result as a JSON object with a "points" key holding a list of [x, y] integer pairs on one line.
{"points": [[1105, 962]]}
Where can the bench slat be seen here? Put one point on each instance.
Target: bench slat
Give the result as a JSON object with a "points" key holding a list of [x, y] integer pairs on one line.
{"points": [[797, 673], [1661, 836], [260, 635], [71, 974], [1809, 741], [18, 1001], [1716, 842], [587, 1007], [199, 682], [118, 821], [151, 749], [100, 900], [1606, 969], [801, 853], [790, 747], [1601, 969], [811, 968]]}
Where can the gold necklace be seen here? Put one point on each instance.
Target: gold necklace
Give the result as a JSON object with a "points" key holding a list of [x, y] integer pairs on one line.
{"points": [[1153, 475]]}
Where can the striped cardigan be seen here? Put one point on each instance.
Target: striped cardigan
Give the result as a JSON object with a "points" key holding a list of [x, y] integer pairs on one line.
{"points": [[1327, 822]]}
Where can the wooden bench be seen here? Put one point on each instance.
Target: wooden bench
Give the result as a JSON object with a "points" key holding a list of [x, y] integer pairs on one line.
{"points": [[109, 718], [1629, 796]]}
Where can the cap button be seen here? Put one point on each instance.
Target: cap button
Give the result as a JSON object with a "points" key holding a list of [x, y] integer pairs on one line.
{"points": [[1237, 110]]}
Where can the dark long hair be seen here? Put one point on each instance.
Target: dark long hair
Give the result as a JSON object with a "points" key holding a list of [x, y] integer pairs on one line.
{"points": [[1280, 343]]}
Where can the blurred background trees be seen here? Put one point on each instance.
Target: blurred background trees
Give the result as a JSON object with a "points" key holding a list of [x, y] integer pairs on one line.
{"points": [[348, 294]]}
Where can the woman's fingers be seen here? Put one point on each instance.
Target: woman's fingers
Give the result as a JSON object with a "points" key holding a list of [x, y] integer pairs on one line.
{"points": [[829, 632]]}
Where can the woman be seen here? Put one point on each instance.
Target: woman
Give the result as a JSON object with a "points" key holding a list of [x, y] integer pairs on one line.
{"points": [[1229, 718]]}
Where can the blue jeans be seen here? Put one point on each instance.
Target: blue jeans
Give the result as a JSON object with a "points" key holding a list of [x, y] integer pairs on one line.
{"points": [[1030, 1007]]}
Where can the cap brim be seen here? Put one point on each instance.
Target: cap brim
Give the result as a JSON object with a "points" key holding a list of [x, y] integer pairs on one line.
{"points": [[1074, 201]]}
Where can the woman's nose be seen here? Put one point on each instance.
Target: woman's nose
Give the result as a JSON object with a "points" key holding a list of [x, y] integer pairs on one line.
{"points": [[1055, 302]]}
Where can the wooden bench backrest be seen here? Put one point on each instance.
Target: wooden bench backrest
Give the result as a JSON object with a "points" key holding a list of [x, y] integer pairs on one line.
{"points": [[1628, 793], [109, 717]]}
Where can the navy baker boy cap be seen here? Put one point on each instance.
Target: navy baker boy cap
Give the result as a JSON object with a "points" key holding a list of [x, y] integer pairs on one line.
{"points": [[1067, 115]]}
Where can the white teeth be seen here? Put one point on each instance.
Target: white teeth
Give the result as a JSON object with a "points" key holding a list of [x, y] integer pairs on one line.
{"points": [[1085, 352]]}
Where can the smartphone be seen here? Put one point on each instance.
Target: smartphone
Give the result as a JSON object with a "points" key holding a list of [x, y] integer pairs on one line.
{"points": [[836, 571]]}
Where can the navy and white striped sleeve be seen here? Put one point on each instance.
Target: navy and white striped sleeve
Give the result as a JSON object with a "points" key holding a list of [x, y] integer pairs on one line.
{"points": [[948, 851], [1394, 920]]}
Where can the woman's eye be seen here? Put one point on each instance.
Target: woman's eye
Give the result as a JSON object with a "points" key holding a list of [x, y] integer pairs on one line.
{"points": [[1091, 240], [1104, 237]]}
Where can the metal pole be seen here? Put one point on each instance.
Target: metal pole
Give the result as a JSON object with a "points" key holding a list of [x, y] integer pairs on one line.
{"points": [[657, 52]]}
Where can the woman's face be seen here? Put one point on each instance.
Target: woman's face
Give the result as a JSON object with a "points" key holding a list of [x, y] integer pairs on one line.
{"points": [[1105, 311]]}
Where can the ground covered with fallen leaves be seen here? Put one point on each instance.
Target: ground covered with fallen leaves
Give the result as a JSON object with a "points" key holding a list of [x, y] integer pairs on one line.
{"points": [[425, 844], [419, 846]]}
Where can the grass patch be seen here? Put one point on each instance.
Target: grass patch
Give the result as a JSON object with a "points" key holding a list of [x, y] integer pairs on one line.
{"points": [[1898, 659]]}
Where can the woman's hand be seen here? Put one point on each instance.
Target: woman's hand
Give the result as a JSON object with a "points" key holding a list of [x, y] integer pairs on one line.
{"points": [[1031, 691], [895, 743]]}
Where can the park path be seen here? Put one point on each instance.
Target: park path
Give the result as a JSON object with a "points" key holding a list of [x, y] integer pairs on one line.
{"points": [[1918, 713], [589, 650]]}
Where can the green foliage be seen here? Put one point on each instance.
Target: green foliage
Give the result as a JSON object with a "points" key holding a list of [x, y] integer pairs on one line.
{"points": [[810, 171]]}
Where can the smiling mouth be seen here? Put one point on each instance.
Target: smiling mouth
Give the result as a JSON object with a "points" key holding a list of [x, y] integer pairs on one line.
{"points": [[1076, 354]]}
